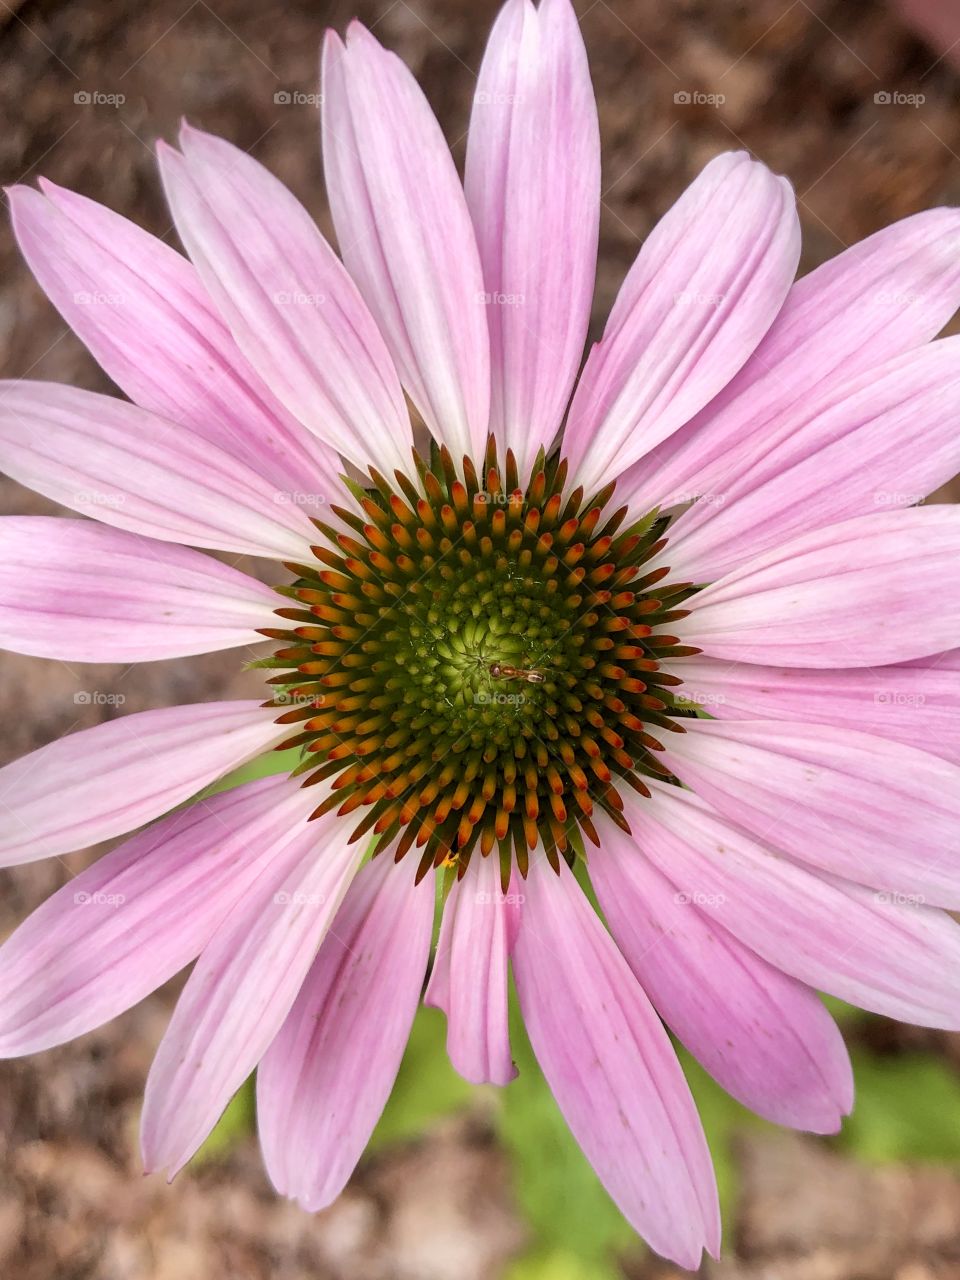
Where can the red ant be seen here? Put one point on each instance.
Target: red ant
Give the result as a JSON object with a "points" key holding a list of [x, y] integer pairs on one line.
{"points": [[501, 671]]}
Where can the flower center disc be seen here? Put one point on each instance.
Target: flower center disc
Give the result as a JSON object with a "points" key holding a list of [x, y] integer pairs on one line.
{"points": [[478, 665]]}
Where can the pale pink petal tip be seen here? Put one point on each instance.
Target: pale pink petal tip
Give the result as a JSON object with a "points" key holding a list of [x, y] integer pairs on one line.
{"points": [[532, 181], [705, 287], [766, 1038]]}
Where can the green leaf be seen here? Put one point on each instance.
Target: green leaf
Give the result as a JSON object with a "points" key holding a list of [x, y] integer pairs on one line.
{"points": [[263, 766], [907, 1108], [559, 1264], [237, 1122], [847, 1015], [427, 1087]]}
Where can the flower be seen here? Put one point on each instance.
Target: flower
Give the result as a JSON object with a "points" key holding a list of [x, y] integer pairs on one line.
{"points": [[704, 652]]}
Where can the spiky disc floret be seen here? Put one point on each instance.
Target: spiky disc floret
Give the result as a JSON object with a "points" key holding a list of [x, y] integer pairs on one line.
{"points": [[478, 666]]}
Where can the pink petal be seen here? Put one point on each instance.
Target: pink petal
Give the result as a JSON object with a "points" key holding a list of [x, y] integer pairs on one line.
{"points": [[242, 988], [532, 182], [886, 295], [876, 950], [861, 807], [870, 591], [112, 778], [764, 1036], [885, 440], [326, 1077], [612, 1069], [701, 294], [77, 591], [126, 467], [127, 924], [405, 234], [937, 22], [292, 308], [141, 310], [917, 703], [469, 978]]}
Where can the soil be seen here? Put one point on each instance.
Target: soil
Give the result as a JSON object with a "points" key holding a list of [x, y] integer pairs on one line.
{"points": [[862, 116]]}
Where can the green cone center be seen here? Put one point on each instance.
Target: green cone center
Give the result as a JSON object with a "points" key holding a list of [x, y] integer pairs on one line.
{"points": [[478, 666]]}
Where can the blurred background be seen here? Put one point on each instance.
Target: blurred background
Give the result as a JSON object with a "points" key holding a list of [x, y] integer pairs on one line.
{"points": [[857, 103]]}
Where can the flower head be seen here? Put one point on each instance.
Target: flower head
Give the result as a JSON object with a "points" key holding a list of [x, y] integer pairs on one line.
{"points": [[682, 629]]}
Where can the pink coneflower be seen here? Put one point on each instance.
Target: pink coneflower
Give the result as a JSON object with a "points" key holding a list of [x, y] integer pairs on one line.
{"points": [[726, 689]]}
